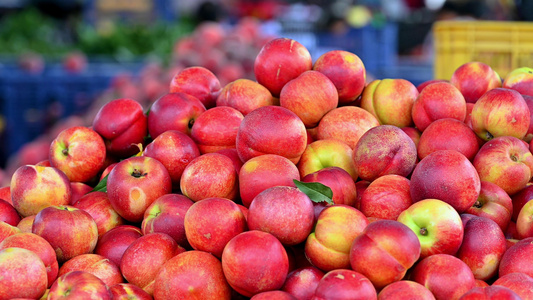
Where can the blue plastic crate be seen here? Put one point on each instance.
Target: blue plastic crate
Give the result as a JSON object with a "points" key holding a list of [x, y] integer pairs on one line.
{"points": [[31, 103], [25, 99], [377, 46], [73, 93]]}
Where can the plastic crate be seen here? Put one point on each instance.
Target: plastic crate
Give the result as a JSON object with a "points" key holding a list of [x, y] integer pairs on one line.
{"points": [[31, 103], [502, 45], [376, 46], [75, 92], [25, 99]]}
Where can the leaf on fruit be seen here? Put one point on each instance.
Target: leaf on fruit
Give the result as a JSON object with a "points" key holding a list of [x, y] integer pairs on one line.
{"points": [[316, 191], [101, 186]]}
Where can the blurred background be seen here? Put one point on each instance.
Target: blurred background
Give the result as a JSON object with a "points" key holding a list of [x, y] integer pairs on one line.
{"points": [[60, 61]]}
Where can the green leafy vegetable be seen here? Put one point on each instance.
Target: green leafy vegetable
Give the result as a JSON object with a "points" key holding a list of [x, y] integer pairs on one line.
{"points": [[316, 191], [101, 186]]}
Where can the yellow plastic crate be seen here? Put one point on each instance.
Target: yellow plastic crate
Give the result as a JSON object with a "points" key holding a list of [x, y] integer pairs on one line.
{"points": [[502, 45]]}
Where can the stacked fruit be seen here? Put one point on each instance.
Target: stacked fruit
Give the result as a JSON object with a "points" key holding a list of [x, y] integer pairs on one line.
{"points": [[304, 184], [228, 52]]}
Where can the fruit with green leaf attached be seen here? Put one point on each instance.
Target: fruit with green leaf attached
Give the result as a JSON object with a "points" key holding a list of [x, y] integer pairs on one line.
{"points": [[290, 222], [339, 181]]}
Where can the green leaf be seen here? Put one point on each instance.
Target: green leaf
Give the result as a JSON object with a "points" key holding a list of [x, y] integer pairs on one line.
{"points": [[316, 191], [101, 186]]}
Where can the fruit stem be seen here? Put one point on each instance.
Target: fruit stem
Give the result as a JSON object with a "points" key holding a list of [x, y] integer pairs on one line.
{"points": [[65, 151], [478, 204], [191, 122], [514, 158], [136, 173], [423, 231], [489, 136]]}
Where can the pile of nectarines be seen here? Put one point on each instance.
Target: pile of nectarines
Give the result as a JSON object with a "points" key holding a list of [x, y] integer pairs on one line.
{"points": [[305, 183]]}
